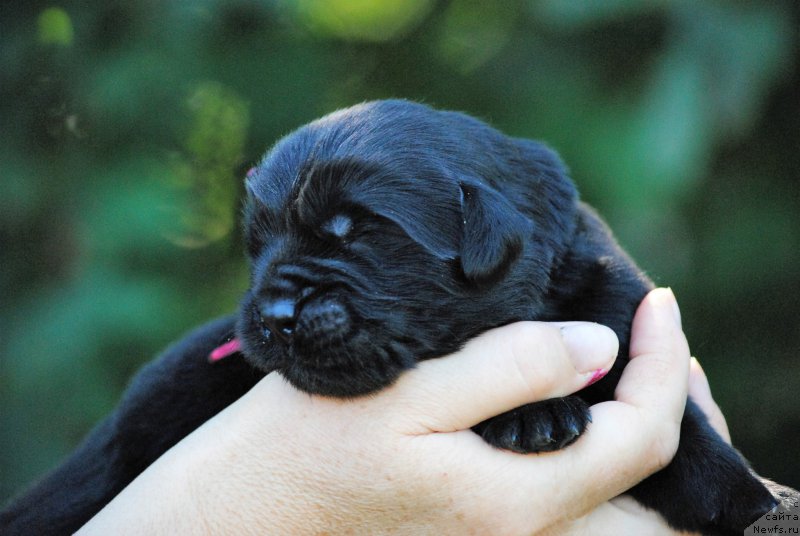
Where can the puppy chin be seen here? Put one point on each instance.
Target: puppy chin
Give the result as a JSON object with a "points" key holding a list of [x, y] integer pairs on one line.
{"points": [[347, 378], [339, 382]]}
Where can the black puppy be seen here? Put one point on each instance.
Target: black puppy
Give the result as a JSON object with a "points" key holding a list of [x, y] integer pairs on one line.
{"points": [[379, 236]]}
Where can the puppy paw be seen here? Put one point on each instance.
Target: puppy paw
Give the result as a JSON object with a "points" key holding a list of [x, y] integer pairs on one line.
{"points": [[747, 500], [540, 427]]}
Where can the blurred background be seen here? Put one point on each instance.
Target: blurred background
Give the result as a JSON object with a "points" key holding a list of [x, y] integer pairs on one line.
{"points": [[127, 127]]}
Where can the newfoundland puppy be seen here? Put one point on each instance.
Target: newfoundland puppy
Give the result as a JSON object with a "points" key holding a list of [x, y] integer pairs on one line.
{"points": [[379, 236]]}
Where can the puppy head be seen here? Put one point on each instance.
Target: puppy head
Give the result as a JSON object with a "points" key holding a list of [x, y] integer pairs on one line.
{"points": [[389, 232]]}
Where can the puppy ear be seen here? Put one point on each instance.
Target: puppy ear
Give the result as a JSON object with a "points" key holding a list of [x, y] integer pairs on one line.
{"points": [[493, 236]]}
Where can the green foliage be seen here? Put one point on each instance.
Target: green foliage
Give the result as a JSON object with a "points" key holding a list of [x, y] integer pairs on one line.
{"points": [[359, 20], [128, 126], [203, 172], [55, 27], [472, 32]]}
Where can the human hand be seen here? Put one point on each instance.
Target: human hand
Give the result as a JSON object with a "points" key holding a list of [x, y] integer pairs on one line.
{"points": [[623, 515], [405, 461], [700, 392]]}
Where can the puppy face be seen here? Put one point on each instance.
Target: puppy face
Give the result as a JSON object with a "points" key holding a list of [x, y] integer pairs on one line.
{"points": [[388, 233]]}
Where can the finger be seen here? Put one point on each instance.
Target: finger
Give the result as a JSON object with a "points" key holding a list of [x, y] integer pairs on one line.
{"points": [[630, 438], [656, 378], [623, 515], [503, 369], [700, 392]]}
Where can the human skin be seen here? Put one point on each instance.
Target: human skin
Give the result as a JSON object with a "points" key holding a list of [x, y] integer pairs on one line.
{"points": [[403, 461]]}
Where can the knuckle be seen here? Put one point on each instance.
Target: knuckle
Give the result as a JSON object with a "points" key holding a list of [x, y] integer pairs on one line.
{"points": [[535, 349], [664, 444]]}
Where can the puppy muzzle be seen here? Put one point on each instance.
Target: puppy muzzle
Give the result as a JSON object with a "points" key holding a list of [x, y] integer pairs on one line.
{"points": [[300, 315]]}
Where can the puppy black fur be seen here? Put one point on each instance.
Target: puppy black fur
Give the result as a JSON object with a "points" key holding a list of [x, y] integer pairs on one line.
{"points": [[379, 236]]}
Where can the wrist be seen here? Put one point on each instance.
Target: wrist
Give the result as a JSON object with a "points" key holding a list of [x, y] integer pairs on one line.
{"points": [[246, 477]]}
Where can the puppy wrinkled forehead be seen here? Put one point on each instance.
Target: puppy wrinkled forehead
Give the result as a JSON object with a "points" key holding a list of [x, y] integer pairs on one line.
{"points": [[327, 196], [403, 161]]}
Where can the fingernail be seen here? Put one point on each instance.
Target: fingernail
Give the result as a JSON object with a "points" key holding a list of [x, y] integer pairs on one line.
{"points": [[591, 346], [676, 311], [596, 376]]}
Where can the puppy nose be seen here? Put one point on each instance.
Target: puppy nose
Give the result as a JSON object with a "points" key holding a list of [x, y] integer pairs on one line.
{"points": [[279, 317]]}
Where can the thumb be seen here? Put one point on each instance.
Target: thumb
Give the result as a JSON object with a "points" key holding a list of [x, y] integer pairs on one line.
{"points": [[503, 369]]}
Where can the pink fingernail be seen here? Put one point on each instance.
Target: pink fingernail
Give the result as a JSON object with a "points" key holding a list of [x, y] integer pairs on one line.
{"points": [[597, 375], [221, 352]]}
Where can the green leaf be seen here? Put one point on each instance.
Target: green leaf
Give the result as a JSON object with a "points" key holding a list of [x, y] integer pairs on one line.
{"points": [[55, 27], [473, 32], [360, 20], [202, 174]]}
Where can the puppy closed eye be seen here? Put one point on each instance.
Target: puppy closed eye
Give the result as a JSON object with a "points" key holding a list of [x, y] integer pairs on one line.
{"points": [[338, 226]]}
